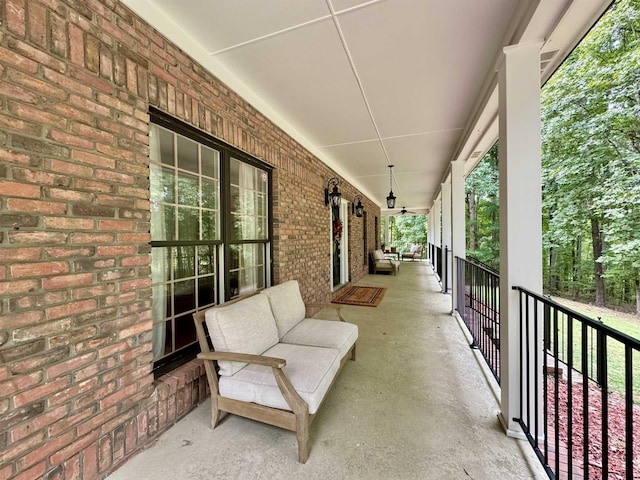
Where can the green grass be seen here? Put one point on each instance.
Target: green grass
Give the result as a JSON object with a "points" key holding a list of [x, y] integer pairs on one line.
{"points": [[615, 351]]}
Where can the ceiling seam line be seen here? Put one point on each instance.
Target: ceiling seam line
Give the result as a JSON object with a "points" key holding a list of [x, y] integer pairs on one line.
{"points": [[357, 77], [269, 35], [434, 132], [358, 7]]}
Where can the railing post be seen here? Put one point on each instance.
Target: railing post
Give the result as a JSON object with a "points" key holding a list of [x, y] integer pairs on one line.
{"points": [[445, 268], [601, 357]]}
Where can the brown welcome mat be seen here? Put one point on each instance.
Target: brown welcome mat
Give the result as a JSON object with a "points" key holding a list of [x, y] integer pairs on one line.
{"points": [[363, 296]]}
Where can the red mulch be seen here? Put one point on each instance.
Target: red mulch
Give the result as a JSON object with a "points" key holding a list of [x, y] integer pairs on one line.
{"points": [[616, 430]]}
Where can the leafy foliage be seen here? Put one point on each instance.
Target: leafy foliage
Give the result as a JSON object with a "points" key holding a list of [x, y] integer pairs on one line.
{"points": [[483, 229], [590, 169], [591, 162]]}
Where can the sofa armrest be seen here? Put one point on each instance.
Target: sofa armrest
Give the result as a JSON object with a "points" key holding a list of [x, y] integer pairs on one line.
{"points": [[272, 362], [337, 308], [293, 398]]}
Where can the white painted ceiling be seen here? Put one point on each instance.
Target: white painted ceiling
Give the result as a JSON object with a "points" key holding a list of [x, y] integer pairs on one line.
{"points": [[365, 84]]}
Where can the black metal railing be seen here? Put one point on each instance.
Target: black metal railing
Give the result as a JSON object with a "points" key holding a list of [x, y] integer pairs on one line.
{"points": [[436, 260], [579, 427], [477, 300], [445, 270]]}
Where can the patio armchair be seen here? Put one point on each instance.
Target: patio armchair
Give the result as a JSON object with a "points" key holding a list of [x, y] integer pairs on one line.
{"points": [[382, 264], [414, 252]]}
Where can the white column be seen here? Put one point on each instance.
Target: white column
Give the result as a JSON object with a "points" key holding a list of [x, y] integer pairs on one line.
{"points": [[520, 211], [458, 224], [445, 188], [437, 222], [432, 228]]}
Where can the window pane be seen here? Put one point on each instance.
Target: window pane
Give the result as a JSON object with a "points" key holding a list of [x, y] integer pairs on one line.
{"points": [[187, 154], [209, 225], [263, 182], [235, 172], [162, 184], [185, 331], [210, 162], [209, 194], [188, 190], [160, 261], [247, 269], [162, 222], [188, 224], [206, 291], [183, 262], [206, 259], [166, 146], [184, 299], [248, 201]]}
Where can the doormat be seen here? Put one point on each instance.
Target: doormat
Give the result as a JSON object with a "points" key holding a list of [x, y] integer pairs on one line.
{"points": [[362, 296]]}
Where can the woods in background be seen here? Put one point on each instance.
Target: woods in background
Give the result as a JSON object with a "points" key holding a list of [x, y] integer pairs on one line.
{"points": [[590, 170]]}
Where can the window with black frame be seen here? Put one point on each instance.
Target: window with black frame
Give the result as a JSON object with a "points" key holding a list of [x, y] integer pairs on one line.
{"points": [[204, 197]]}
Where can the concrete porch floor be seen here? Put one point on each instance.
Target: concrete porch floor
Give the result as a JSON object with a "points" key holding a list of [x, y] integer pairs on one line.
{"points": [[414, 405]]}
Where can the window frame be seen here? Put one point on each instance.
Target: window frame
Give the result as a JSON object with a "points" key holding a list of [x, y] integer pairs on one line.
{"points": [[222, 273]]}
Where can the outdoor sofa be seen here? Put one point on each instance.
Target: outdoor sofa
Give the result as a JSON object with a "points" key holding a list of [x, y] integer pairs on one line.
{"points": [[269, 362]]}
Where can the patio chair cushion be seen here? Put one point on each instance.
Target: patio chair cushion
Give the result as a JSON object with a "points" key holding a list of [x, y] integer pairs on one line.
{"points": [[323, 333], [311, 371], [380, 263], [378, 255], [244, 327], [287, 305]]}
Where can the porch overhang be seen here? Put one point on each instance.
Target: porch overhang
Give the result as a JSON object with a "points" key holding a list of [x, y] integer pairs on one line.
{"points": [[365, 84]]}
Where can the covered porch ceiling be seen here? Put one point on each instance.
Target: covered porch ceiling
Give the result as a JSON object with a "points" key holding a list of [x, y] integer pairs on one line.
{"points": [[366, 84]]}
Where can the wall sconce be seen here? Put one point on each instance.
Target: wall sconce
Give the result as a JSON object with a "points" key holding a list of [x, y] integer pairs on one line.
{"points": [[334, 197], [357, 209], [391, 199]]}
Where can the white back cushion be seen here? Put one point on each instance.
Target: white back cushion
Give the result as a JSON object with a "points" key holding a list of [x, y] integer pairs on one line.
{"points": [[378, 255], [246, 326], [286, 304]]}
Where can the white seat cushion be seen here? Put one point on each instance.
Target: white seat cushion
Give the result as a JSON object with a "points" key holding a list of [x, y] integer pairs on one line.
{"points": [[286, 304], [247, 326], [310, 370], [323, 333]]}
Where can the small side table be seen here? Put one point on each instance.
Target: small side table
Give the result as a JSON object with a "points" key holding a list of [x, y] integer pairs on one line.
{"points": [[390, 253]]}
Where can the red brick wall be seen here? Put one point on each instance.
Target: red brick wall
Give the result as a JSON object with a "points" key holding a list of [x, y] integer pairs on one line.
{"points": [[76, 82]]}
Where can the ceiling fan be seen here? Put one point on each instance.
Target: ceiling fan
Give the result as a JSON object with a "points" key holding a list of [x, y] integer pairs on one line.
{"points": [[404, 211]]}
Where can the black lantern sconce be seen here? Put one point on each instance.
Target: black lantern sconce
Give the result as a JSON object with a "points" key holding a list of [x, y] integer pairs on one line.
{"points": [[356, 208], [332, 198], [391, 199]]}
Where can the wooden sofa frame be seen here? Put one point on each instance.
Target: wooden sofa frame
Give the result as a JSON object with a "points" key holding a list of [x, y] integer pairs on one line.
{"points": [[297, 420]]}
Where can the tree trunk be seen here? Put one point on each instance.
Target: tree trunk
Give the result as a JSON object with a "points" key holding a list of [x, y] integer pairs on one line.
{"points": [[554, 278], [473, 220], [638, 296], [576, 265], [596, 237], [495, 233]]}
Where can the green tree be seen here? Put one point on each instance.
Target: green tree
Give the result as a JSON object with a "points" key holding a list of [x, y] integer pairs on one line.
{"points": [[410, 230], [483, 229], [591, 144]]}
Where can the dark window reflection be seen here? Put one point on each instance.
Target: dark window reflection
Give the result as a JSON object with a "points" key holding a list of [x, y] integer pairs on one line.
{"points": [[184, 296], [206, 289], [185, 331]]}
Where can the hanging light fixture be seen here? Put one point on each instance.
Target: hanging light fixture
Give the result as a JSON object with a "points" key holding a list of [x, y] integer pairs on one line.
{"points": [[357, 209], [332, 198], [391, 199]]}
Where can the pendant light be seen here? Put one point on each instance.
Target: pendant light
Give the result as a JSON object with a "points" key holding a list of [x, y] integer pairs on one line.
{"points": [[391, 199]]}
